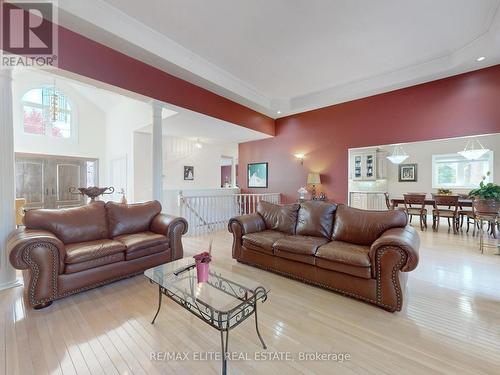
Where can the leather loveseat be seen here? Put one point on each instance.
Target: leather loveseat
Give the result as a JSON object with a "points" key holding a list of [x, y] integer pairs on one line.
{"points": [[362, 254], [66, 251]]}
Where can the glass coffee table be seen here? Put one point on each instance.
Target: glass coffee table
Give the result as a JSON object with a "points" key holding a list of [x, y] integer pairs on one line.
{"points": [[224, 301]]}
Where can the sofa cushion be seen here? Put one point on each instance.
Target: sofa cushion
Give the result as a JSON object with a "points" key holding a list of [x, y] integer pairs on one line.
{"points": [[363, 272], [363, 227], [279, 217], [141, 240], [347, 253], [131, 218], [145, 251], [345, 257], [298, 244], [93, 263], [302, 258], [315, 218], [71, 225], [90, 250], [262, 241]]}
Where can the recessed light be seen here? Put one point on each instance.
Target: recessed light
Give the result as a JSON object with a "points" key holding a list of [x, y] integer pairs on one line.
{"points": [[479, 59], [278, 112]]}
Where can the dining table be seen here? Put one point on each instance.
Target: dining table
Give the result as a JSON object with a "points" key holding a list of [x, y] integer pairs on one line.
{"points": [[462, 202]]}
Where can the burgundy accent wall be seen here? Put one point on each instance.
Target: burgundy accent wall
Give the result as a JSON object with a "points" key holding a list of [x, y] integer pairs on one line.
{"points": [[83, 56], [467, 104]]}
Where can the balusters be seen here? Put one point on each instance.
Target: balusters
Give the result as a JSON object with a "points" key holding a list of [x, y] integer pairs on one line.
{"points": [[204, 213]]}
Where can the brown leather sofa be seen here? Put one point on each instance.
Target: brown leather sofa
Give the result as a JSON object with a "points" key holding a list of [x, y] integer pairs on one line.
{"points": [[66, 251], [362, 254]]}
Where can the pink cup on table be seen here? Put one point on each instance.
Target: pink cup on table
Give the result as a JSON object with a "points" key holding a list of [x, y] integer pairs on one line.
{"points": [[202, 262]]}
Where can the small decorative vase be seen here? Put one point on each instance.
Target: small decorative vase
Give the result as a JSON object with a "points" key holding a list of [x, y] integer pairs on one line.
{"points": [[202, 271], [202, 262]]}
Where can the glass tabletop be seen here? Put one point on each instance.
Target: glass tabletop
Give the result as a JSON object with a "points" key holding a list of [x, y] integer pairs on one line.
{"points": [[225, 293]]}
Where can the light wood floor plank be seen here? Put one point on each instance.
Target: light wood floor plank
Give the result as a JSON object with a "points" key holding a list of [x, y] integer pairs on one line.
{"points": [[450, 323]]}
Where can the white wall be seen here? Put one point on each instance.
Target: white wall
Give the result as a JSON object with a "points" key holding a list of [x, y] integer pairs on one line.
{"points": [[89, 121], [121, 122], [421, 154], [177, 153], [143, 167]]}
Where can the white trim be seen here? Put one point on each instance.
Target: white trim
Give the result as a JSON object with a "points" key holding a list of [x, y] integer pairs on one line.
{"points": [[12, 284]]}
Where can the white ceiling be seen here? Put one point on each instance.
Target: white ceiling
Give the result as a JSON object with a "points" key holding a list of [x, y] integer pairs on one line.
{"points": [[296, 55], [195, 126]]}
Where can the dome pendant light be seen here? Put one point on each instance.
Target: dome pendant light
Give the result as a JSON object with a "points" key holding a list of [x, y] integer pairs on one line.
{"points": [[473, 150], [54, 104], [398, 155]]}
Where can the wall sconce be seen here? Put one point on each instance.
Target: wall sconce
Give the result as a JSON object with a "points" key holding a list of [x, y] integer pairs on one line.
{"points": [[300, 157]]}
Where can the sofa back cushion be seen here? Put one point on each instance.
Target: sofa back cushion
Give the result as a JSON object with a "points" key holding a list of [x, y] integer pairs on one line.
{"points": [[70, 225], [279, 217], [363, 227], [316, 219], [131, 218]]}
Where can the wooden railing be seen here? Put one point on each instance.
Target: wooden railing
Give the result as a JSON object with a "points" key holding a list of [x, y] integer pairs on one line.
{"points": [[209, 213]]}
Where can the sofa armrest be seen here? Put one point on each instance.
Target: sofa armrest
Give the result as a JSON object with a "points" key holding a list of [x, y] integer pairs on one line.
{"points": [[43, 254], [248, 223], [405, 239], [173, 227], [21, 241], [241, 225]]}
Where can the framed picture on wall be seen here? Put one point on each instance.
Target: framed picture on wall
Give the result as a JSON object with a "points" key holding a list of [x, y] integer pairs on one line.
{"points": [[257, 175], [407, 172], [188, 173]]}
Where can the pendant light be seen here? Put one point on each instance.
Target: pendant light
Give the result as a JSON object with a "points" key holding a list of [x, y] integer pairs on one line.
{"points": [[473, 150], [54, 104], [398, 155]]}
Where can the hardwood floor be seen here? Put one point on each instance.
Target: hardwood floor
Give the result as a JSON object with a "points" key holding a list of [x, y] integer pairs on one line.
{"points": [[450, 323]]}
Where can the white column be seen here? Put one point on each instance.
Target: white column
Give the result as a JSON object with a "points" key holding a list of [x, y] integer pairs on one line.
{"points": [[157, 151], [7, 193]]}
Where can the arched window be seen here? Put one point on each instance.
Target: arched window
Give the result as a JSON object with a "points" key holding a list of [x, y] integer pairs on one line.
{"points": [[47, 111]]}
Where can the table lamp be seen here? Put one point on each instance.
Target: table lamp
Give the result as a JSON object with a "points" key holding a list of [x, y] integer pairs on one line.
{"points": [[313, 179], [20, 203]]}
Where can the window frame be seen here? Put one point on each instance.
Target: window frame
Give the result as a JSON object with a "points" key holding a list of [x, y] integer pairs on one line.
{"points": [[435, 185], [48, 135]]}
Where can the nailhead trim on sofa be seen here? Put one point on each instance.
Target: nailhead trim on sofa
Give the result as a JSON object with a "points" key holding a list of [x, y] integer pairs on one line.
{"points": [[36, 271], [325, 286], [394, 274]]}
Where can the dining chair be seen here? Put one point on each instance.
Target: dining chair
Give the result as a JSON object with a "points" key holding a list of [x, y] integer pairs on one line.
{"points": [[390, 207], [446, 206], [415, 205], [469, 216]]}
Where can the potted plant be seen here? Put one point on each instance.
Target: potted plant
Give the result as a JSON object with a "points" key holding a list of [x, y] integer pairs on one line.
{"points": [[486, 197]]}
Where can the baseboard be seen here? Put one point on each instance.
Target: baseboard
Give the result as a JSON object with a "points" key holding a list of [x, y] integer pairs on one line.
{"points": [[12, 284]]}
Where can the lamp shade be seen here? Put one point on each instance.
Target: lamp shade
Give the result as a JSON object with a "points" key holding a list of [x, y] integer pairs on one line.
{"points": [[398, 155], [473, 150], [313, 179]]}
